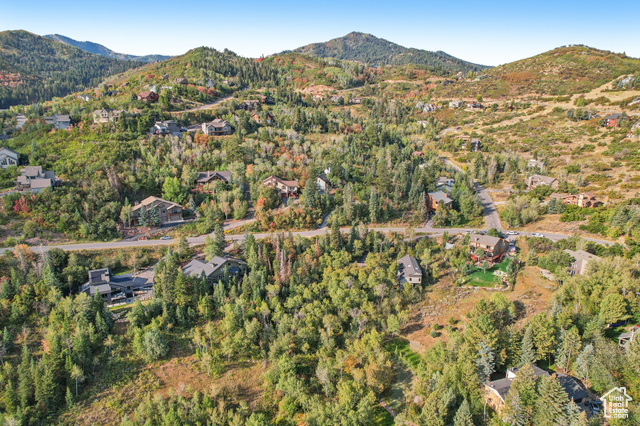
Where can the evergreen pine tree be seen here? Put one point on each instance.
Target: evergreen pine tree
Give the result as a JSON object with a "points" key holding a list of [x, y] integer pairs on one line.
{"points": [[69, 398], [514, 412], [552, 400], [144, 217], [335, 237], [463, 415], [527, 353], [485, 362], [373, 206]]}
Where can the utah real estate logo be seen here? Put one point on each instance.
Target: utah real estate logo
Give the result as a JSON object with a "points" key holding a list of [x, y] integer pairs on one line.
{"points": [[616, 403]]}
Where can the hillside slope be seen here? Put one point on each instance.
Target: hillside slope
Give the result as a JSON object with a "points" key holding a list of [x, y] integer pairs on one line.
{"points": [[101, 50], [36, 69], [367, 48], [559, 72]]}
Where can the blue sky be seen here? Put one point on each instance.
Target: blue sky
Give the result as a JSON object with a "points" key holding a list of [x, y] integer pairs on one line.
{"points": [[487, 33]]}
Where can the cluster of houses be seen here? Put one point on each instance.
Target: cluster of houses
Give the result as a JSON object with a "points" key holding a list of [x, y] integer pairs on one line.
{"points": [[120, 289], [584, 199], [34, 179]]}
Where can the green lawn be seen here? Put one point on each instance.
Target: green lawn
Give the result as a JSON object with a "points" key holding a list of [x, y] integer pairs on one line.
{"points": [[479, 278], [400, 347]]}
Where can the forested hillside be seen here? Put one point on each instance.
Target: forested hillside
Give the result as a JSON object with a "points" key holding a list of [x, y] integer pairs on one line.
{"points": [[36, 69], [366, 48]]}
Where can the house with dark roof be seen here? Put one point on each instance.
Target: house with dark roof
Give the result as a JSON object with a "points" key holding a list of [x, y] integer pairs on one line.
{"points": [[323, 183], [581, 261], [496, 391], [166, 127], [217, 127], [8, 158], [59, 121], [114, 288], [438, 199], [248, 105], [495, 249], [204, 178], [613, 120], [167, 211], [216, 268], [287, 188], [409, 271], [148, 96]]}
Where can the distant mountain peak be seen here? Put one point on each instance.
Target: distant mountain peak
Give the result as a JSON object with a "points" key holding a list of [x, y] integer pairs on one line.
{"points": [[98, 49], [364, 47]]}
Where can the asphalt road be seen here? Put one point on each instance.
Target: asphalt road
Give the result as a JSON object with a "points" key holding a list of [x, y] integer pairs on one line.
{"points": [[492, 220]]}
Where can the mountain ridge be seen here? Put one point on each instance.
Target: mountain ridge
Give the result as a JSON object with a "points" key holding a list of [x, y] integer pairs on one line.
{"points": [[99, 49], [363, 47]]}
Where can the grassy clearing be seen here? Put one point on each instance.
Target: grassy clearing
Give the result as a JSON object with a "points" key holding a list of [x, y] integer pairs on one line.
{"points": [[400, 347], [480, 278]]}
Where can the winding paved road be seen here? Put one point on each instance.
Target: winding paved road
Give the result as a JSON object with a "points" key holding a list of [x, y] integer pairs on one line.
{"points": [[492, 220]]}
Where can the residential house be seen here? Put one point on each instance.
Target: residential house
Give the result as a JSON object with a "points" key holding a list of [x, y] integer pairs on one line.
{"points": [[215, 269], [167, 211], [565, 198], [34, 179], [267, 99], [323, 183], [474, 145], [628, 336], [148, 96], [217, 127], [438, 199], [533, 163], [113, 288], [474, 105], [537, 180], [337, 99], [613, 120], [207, 177], [85, 98], [495, 248], [355, 101], [455, 104], [429, 108], [581, 260], [587, 199], [422, 123], [445, 183], [20, 120], [59, 121], [409, 271], [268, 118], [167, 127], [581, 200], [8, 158], [249, 104], [287, 188], [106, 115], [181, 80], [496, 391]]}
